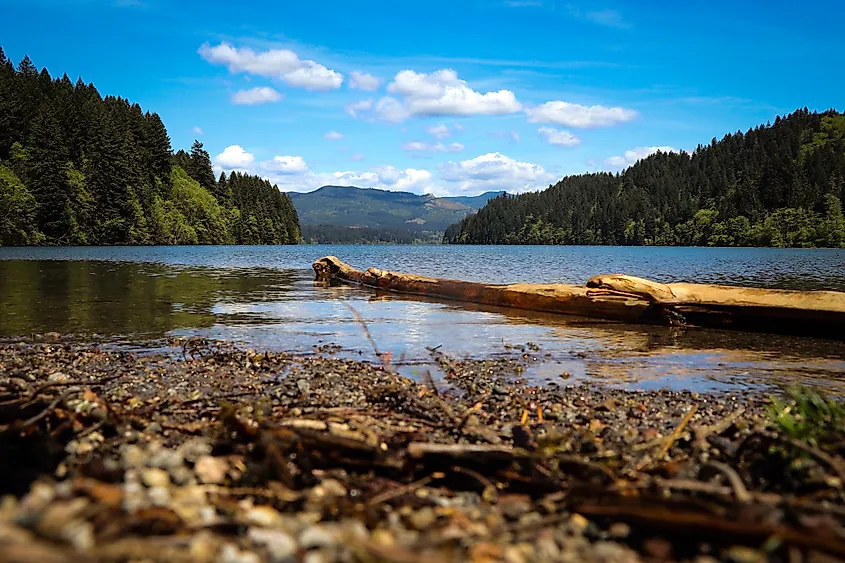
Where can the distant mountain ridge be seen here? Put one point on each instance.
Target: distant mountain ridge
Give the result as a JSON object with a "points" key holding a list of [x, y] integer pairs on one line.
{"points": [[348, 206]]}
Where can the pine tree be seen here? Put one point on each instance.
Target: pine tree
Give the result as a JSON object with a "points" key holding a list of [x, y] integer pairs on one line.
{"points": [[200, 168]]}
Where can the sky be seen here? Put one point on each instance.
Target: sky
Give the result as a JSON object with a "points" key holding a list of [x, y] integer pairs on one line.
{"points": [[449, 97]]}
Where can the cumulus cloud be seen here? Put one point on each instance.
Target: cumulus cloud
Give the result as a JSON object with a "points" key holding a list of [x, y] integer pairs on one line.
{"points": [[576, 115], [356, 108], [558, 137], [416, 94], [633, 155], [281, 64], [333, 136], [197, 131], [286, 165], [364, 81], [234, 157], [255, 96], [495, 171], [440, 131], [419, 146]]}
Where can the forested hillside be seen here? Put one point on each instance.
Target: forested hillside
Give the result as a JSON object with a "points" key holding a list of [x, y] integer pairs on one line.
{"points": [[776, 185], [77, 168]]}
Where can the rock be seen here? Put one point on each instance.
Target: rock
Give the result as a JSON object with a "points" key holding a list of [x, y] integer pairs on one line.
{"points": [[165, 458], [58, 377], [155, 477], [658, 548], [230, 553], [619, 530], [195, 448], [578, 523], [423, 518], [159, 496], [304, 386], [742, 554], [132, 456], [316, 537], [211, 469], [279, 545], [265, 516]]}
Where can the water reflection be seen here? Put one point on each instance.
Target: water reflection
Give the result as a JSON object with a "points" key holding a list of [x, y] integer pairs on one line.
{"points": [[281, 308]]}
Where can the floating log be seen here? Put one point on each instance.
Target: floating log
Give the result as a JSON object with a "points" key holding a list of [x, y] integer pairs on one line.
{"points": [[627, 298]]}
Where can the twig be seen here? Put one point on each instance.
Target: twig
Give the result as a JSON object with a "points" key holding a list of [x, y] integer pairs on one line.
{"points": [[364, 327], [739, 490], [389, 495], [49, 408]]}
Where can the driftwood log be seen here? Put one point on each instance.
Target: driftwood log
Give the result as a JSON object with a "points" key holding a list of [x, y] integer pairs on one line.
{"points": [[626, 298]]}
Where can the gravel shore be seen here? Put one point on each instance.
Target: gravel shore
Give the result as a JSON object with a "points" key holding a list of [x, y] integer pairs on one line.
{"points": [[220, 454]]}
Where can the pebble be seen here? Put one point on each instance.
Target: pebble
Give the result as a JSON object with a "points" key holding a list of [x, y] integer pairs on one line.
{"points": [[619, 530], [58, 377], [316, 537], [159, 496], [279, 545], [155, 477], [264, 515], [231, 554], [211, 469], [423, 518]]}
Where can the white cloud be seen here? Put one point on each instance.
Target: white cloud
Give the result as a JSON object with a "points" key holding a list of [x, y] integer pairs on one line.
{"points": [[282, 64], [255, 96], [440, 131], [234, 157], [633, 155], [558, 137], [355, 108], [286, 165], [415, 94], [495, 171], [364, 81], [197, 131], [419, 146], [333, 136], [576, 115]]}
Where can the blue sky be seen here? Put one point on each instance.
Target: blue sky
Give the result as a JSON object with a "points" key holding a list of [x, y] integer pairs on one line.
{"points": [[448, 97]]}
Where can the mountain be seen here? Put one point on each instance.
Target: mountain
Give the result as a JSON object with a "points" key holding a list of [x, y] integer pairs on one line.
{"points": [[778, 185], [344, 206], [80, 168]]}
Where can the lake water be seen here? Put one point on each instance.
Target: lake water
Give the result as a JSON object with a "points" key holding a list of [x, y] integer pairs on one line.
{"points": [[265, 298]]}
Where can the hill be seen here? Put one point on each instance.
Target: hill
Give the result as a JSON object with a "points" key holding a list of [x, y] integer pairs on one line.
{"points": [[343, 206], [779, 184], [80, 168]]}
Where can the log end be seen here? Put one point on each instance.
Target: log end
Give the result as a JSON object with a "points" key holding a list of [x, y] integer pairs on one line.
{"points": [[327, 267]]}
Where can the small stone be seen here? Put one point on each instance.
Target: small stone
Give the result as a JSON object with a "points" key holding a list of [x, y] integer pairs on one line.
{"points": [[165, 458], [159, 496], [211, 469], [58, 377], [154, 427], [265, 516], [132, 456], [743, 554], [423, 518], [155, 477], [231, 554], [619, 530], [304, 386], [578, 522], [316, 537], [279, 545], [194, 449], [658, 548]]}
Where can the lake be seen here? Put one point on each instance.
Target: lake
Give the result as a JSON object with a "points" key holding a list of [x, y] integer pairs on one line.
{"points": [[265, 298]]}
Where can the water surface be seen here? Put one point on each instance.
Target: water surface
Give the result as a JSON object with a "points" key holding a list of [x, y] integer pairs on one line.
{"points": [[265, 297]]}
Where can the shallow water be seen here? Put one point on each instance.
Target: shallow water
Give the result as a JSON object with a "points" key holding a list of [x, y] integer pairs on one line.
{"points": [[265, 297]]}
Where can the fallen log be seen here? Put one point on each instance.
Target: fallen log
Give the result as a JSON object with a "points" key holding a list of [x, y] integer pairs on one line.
{"points": [[626, 298]]}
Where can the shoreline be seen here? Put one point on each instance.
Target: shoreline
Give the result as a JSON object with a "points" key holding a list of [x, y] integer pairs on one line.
{"points": [[233, 455]]}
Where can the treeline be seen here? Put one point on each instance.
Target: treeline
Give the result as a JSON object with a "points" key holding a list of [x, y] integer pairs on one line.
{"points": [[333, 234], [776, 185], [80, 169]]}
